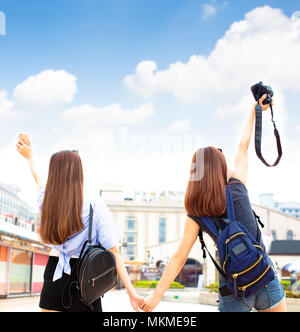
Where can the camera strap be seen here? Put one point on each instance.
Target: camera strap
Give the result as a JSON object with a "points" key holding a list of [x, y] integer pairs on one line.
{"points": [[258, 136]]}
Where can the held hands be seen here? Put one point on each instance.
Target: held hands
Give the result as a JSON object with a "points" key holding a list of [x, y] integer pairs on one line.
{"points": [[136, 302], [151, 302], [24, 146]]}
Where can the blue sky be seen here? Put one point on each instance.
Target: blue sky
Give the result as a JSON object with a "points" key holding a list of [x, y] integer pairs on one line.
{"points": [[100, 43]]}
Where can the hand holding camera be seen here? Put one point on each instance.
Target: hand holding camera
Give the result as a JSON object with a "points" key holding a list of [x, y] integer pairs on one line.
{"points": [[264, 96], [261, 101]]}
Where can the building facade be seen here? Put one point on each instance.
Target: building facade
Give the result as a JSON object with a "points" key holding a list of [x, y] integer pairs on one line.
{"points": [[22, 256], [153, 228], [290, 208], [11, 204], [145, 223]]}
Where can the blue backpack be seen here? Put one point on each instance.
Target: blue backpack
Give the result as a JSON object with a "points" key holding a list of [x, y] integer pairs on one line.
{"points": [[244, 263]]}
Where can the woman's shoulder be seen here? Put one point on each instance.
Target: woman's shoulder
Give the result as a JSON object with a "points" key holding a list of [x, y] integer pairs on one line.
{"points": [[94, 200], [236, 184], [234, 180], [109, 234]]}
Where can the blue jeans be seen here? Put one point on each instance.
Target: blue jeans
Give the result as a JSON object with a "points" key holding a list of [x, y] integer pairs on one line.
{"points": [[265, 299]]}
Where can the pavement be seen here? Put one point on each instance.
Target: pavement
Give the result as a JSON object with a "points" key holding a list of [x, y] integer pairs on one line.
{"points": [[114, 301]]}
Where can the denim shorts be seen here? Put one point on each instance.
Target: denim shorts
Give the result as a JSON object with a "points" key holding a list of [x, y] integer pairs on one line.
{"points": [[265, 299]]}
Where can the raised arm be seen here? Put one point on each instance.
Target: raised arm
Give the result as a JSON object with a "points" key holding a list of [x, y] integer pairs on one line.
{"points": [[240, 170], [25, 149], [174, 266]]}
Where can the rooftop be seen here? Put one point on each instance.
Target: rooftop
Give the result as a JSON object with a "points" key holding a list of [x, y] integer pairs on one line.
{"points": [[285, 247]]}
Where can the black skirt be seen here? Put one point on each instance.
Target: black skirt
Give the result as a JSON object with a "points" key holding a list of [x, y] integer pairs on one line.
{"points": [[52, 292]]}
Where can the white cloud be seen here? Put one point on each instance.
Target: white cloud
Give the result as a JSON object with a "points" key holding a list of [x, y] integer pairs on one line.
{"points": [[296, 15], [46, 89], [15, 171], [241, 107], [264, 46], [8, 108], [112, 115], [179, 127], [236, 108], [208, 11], [143, 81], [281, 180]]}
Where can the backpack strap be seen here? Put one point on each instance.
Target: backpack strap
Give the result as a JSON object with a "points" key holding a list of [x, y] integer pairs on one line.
{"points": [[258, 222], [75, 282], [215, 226], [68, 285], [200, 222], [91, 214], [68, 306], [258, 219], [203, 247]]}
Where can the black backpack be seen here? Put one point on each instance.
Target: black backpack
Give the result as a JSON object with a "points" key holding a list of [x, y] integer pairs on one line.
{"points": [[95, 269]]}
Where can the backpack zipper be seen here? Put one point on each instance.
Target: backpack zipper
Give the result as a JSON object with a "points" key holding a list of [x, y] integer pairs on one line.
{"points": [[259, 247], [236, 275], [101, 275], [224, 264], [244, 288], [85, 268], [235, 235], [227, 241]]}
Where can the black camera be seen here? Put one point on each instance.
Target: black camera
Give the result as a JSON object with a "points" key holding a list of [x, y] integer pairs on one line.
{"points": [[259, 90]]}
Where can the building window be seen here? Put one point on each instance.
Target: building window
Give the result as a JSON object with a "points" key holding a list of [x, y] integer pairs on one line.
{"points": [[289, 235], [274, 236], [162, 230], [131, 237], [130, 251]]}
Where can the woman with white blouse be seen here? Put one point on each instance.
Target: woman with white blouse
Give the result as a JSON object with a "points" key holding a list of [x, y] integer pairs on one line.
{"points": [[64, 208]]}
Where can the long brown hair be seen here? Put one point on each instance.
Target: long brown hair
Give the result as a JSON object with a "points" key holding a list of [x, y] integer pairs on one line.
{"points": [[62, 205], [206, 190]]}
